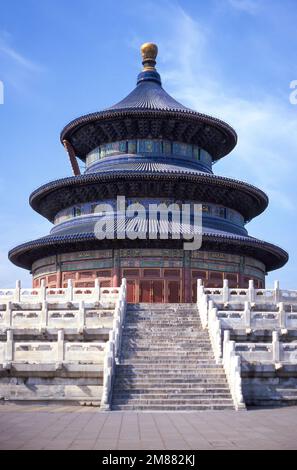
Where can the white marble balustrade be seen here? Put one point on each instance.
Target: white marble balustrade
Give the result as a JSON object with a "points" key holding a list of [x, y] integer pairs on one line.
{"points": [[65, 294]]}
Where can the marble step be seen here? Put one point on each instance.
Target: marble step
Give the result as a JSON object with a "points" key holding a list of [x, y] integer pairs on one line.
{"points": [[169, 378], [169, 385], [164, 361], [174, 370], [168, 396], [175, 401], [219, 388], [166, 407]]}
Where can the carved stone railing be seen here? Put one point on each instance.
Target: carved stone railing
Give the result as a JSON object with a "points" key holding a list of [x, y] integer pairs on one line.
{"points": [[45, 316], [232, 366], [63, 294], [276, 352], [113, 347], [282, 317], [248, 308], [252, 295], [224, 353], [57, 353]]}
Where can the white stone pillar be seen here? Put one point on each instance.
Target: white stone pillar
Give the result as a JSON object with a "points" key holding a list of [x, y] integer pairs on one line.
{"points": [[9, 346], [60, 346], [8, 315], [225, 341], [275, 346], [81, 316], [42, 291], [282, 315], [97, 290], [247, 315], [17, 292], [251, 291], [225, 291], [276, 291], [69, 290], [44, 315]]}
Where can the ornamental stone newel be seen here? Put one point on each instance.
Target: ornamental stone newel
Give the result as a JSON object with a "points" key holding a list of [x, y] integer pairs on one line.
{"points": [[247, 316], [225, 291], [8, 320], [69, 290], [276, 291], [44, 315], [97, 290], [17, 292], [42, 291], [251, 291], [275, 347], [9, 348], [60, 347], [282, 315], [82, 316]]}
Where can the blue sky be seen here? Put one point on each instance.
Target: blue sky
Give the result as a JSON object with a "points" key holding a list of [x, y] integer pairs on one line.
{"points": [[233, 59]]}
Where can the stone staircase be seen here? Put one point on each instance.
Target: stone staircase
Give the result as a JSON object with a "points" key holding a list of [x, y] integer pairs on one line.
{"points": [[167, 362]]}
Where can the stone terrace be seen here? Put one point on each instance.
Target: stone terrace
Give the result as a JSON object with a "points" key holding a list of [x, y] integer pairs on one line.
{"points": [[74, 427]]}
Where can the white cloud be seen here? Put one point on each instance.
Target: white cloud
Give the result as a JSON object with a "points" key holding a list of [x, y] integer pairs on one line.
{"points": [[247, 6], [265, 124], [15, 56]]}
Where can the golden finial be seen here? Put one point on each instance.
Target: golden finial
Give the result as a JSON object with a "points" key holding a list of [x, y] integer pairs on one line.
{"points": [[149, 53]]}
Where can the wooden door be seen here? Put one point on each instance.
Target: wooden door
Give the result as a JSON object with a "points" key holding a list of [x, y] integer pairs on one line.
{"points": [[145, 291], [131, 291], [173, 292], [157, 291]]}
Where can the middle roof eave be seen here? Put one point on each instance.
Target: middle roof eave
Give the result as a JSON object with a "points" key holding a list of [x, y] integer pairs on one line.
{"points": [[49, 199]]}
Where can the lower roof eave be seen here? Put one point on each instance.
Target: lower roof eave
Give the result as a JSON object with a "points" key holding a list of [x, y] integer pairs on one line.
{"points": [[26, 254]]}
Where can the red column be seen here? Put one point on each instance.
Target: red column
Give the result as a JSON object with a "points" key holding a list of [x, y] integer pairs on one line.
{"points": [[187, 286], [116, 277], [58, 279]]}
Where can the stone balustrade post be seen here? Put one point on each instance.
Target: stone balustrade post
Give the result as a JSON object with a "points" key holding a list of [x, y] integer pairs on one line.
{"points": [[8, 315], [44, 315], [275, 346], [42, 291], [61, 353], [225, 291], [97, 290], [276, 291], [247, 314], [199, 283], [199, 288], [81, 316], [226, 340], [69, 294], [251, 291], [17, 292], [9, 346], [282, 315]]}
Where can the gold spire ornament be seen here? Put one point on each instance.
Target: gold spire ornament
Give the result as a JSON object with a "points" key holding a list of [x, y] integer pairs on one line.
{"points": [[149, 52]]}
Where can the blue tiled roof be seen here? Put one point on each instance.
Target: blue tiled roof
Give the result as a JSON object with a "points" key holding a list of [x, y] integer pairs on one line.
{"points": [[149, 95], [143, 165]]}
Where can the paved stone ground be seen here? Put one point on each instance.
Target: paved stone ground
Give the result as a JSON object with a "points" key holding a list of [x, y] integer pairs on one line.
{"points": [[74, 427]]}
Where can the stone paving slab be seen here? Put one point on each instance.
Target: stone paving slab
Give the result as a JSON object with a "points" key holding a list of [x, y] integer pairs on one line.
{"points": [[76, 427]]}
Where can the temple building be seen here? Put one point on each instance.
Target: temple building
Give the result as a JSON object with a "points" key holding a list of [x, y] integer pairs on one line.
{"points": [[151, 149]]}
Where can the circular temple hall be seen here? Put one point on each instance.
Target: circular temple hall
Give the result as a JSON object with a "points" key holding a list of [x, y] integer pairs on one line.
{"points": [[151, 149]]}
